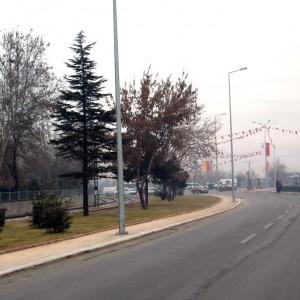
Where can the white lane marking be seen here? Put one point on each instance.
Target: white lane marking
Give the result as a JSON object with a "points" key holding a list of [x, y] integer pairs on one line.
{"points": [[279, 217], [248, 238], [269, 225], [286, 211]]}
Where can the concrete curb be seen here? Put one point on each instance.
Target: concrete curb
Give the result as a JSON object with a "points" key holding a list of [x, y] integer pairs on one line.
{"points": [[42, 254]]}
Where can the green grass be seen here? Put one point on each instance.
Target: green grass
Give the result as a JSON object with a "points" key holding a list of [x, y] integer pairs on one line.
{"points": [[18, 234]]}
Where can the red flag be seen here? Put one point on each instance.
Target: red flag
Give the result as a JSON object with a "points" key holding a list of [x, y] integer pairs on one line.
{"points": [[207, 166], [267, 149]]}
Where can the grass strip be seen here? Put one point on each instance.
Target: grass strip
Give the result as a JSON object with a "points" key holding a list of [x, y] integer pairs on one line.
{"points": [[18, 235]]}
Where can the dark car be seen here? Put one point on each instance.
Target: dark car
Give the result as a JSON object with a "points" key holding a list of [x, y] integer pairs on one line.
{"points": [[199, 190], [225, 187]]}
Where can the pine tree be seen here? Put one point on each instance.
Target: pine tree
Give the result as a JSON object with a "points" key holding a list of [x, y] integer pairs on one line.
{"points": [[85, 130]]}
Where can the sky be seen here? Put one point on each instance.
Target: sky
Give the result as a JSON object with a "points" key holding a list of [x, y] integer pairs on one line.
{"points": [[206, 39]]}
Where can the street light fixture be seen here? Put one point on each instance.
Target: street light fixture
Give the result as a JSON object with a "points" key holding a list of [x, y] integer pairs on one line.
{"points": [[231, 140], [264, 126], [217, 167]]}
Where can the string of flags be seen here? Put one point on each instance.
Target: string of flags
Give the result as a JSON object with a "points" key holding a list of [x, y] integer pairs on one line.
{"points": [[250, 132], [238, 156], [205, 166]]}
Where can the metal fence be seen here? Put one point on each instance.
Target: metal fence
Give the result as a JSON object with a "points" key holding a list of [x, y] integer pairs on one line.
{"points": [[291, 189], [33, 195]]}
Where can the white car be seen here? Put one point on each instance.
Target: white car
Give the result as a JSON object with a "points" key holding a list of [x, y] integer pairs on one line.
{"points": [[127, 191]]}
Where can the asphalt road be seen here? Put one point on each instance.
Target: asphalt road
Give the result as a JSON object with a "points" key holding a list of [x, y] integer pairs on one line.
{"points": [[251, 252]]}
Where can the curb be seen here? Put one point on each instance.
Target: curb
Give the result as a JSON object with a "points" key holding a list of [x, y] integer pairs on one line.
{"points": [[107, 244]]}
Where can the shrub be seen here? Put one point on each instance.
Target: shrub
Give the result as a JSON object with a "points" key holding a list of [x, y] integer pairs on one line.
{"points": [[163, 195], [37, 217], [51, 213], [180, 192]]}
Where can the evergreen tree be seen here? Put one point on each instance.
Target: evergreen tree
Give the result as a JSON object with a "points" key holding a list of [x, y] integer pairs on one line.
{"points": [[85, 130]]}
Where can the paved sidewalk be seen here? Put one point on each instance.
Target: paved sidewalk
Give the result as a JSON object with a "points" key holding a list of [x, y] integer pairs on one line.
{"points": [[28, 258]]}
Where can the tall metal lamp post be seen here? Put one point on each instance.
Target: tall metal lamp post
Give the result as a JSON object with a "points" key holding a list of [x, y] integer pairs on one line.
{"points": [[231, 139], [217, 167], [119, 132], [264, 126]]}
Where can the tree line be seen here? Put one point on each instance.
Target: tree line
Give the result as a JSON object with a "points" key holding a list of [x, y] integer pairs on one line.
{"points": [[53, 128]]}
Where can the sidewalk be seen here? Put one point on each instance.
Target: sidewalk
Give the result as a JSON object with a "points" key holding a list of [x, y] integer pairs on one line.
{"points": [[28, 258]]}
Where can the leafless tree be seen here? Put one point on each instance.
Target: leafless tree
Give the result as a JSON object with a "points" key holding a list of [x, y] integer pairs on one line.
{"points": [[27, 89]]}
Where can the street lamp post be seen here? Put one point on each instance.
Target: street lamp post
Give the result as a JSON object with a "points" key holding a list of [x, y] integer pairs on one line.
{"points": [[231, 139], [264, 126], [119, 132], [217, 167]]}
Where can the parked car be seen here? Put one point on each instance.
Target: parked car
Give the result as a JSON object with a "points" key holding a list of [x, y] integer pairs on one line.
{"points": [[199, 190], [127, 191], [110, 190], [225, 187], [190, 186], [151, 191]]}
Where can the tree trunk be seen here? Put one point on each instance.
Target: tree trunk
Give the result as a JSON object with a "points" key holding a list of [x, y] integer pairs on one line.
{"points": [[146, 193], [141, 195], [85, 196], [15, 170]]}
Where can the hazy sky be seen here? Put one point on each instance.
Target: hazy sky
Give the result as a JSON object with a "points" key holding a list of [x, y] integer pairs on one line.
{"points": [[207, 39]]}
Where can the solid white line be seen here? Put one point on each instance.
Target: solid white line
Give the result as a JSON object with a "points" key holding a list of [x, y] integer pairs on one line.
{"points": [[279, 217], [248, 238], [269, 225]]}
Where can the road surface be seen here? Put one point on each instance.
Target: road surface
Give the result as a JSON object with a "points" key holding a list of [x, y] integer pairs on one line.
{"points": [[251, 252]]}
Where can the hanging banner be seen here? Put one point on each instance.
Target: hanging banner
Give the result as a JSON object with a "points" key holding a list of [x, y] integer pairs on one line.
{"points": [[267, 149], [207, 166]]}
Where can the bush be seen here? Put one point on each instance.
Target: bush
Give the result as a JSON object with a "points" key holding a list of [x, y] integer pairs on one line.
{"points": [[2, 218], [180, 192], [51, 213], [39, 206], [163, 195]]}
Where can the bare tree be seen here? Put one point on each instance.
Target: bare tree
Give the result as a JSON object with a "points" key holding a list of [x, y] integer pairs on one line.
{"points": [[27, 89]]}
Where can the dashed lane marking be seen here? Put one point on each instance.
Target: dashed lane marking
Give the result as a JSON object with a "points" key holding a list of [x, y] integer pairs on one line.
{"points": [[248, 238], [269, 225]]}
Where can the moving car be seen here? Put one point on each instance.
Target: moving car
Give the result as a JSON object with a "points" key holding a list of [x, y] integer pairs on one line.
{"points": [[225, 187], [227, 181], [199, 190]]}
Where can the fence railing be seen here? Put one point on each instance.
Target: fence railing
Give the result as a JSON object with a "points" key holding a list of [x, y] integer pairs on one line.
{"points": [[33, 195], [291, 189]]}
